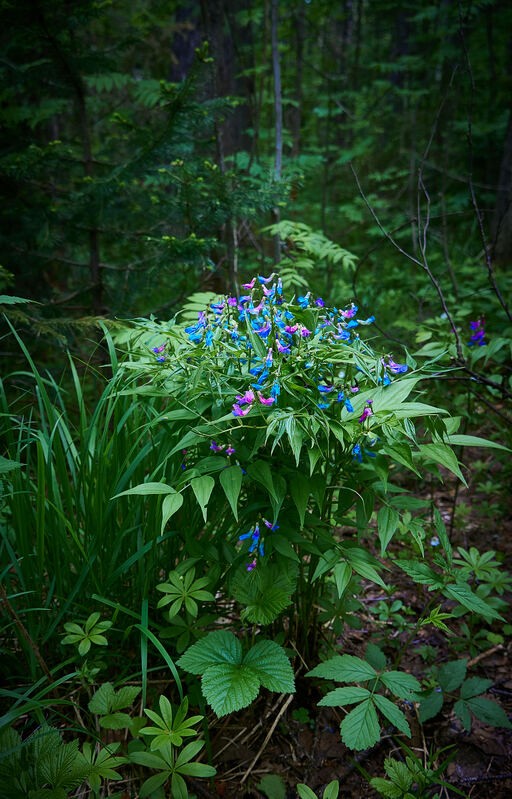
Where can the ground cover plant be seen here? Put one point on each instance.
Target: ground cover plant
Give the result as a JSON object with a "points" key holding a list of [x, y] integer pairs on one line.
{"points": [[208, 532]]}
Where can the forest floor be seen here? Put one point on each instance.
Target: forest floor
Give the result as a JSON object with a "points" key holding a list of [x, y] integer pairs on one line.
{"points": [[291, 737]]}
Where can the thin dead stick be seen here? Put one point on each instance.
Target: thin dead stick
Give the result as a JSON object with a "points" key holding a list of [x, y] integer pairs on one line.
{"points": [[267, 738], [482, 655]]}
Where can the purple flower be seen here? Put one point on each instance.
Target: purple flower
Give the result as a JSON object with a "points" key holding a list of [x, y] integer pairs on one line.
{"points": [[291, 329], [325, 389], [266, 400], [319, 302], [478, 336], [238, 411], [230, 450], [395, 368], [252, 565], [243, 399], [249, 285], [367, 412], [265, 280], [349, 313], [216, 447], [264, 330], [282, 348], [161, 359], [305, 332], [159, 349], [232, 301], [270, 525]]}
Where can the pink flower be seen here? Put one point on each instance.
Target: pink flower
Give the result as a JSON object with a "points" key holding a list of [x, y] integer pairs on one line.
{"points": [[249, 285], [266, 400], [244, 399], [367, 412], [238, 411]]}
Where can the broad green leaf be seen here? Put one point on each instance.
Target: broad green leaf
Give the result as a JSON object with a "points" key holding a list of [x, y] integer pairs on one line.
{"points": [[401, 453], [170, 505], [331, 790], [461, 710], [443, 455], [488, 712], [273, 786], [228, 687], [283, 546], [360, 728], [198, 770], [115, 721], [460, 440], [231, 482], [261, 472], [305, 792], [410, 410], [202, 488], [387, 524], [400, 683], [431, 705], [269, 662], [451, 675], [102, 700], [344, 696], [391, 397], [342, 573], [150, 785], [300, 488], [392, 713], [464, 595], [344, 668], [216, 647], [146, 489], [474, 686]]}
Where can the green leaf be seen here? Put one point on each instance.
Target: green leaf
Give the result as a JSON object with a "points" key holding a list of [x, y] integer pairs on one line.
{"points": [[392, 713], [474, 686], [460, 440], [217, 647], [284, 547], [400, 683], [421, 573], [344, 696], [7, 465], [461, 710], [228, 687], [260, 472], [231, 482], [463, 594], [443, 455], [202, 488], [305, 792], [488, 712], [342, 573], [360, 728], [344, 668], [387, 523], [269, 662], [273, 786], [331, 790], [300, 488], [152, 783], [451, 675], [146, 489], [115, 721], [170, 505], [431, 705]]}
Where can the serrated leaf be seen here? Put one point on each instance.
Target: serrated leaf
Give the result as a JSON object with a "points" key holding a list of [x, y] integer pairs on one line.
{"points": [[344, 696], [392, 713], [231, 482], [101, 702], [115, 721], [421, 573], [451, 675], [431, 705], [228, 687], [474, 686], [400, 683], [216, 647], [269, 662], [488, 712], [386, 788], [360, 728], [202, 488], [463, 594], [344, 668]]}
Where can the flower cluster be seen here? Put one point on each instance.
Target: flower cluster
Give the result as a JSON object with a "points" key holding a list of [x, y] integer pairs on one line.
{"points": [[478, 336], [266, 332], [257, 543]]}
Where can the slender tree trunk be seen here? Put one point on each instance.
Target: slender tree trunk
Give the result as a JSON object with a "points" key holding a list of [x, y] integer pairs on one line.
{"points": [[278, 112]]}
